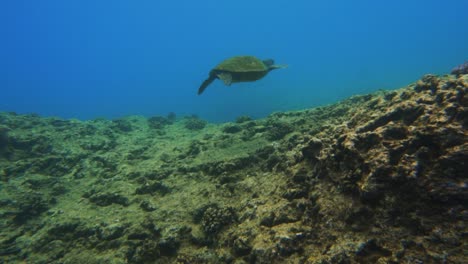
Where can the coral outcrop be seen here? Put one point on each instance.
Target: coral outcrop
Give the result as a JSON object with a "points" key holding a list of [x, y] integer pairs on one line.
{"points": [[461, 69], [378, 178]]}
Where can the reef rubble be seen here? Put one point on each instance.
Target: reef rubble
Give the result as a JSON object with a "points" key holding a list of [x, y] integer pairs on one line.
{"points": [[377, 178]]}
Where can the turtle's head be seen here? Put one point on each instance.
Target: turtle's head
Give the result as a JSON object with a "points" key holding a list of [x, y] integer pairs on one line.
{"points": [[268, 62]]}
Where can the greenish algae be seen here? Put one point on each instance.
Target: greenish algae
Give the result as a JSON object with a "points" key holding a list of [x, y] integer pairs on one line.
{"points": [[374, 178]]}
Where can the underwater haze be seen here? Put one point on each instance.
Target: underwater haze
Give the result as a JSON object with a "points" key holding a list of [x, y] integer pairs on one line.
{"points": [[90, 59]]}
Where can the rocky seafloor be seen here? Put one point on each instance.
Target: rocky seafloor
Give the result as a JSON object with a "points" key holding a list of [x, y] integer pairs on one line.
{"points": [[378, 178]]}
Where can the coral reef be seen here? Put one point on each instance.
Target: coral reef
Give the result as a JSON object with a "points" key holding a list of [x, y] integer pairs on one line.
{"points": [[376, 178], [461, 69]]}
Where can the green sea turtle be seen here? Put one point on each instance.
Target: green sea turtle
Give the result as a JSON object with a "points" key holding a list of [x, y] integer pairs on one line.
{"points": [[240, 69]]}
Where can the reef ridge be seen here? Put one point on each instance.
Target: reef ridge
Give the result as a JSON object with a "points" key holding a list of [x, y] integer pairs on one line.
{"points": [[377, 178]]}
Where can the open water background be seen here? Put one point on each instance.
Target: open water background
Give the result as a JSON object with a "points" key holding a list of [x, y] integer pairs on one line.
{"points": [[89, 59]]}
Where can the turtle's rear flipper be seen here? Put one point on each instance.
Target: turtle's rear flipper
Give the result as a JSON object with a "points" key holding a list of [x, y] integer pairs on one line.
{"points": [[226, 78], [205, 84], [277, 66]]}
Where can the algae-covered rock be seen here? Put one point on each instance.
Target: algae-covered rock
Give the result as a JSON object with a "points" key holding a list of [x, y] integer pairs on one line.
{"points": [[460, 69], [159, 122], [215, 218], [277, 130], [377, 178], [4, 142], [146, 206], [152, 188], [243, 119], [194, 123], [29, 206], [231, 129], [106, 199], [122, 125], [4, 136]]}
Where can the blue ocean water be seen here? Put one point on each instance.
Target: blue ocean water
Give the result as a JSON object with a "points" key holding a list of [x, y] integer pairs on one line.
{"points": [[88, 59]]}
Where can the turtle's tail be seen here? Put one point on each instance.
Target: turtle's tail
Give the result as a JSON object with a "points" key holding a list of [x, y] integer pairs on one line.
{"points": [[206, 83]]}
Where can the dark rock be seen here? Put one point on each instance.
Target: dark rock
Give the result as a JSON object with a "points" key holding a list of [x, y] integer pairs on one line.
{"points": [[277, 130], [370, 252], [291, 194], [58, 123], [231, 129], [112, 232], [215, 219], [188, 259], [225, 179], [70, 231], [106, 199], [165, 158], [339, 258], [197, 215], [289, 245], [4, 140], [87, 130], [137, 153], [218, 168], [147, 206], [194, 149], [159, 122], [390, 95], [37, 181], [241, 246], [152, 188], [143, 252], [366, 141], [312, 149], [28, 206], [301, 176], [268, 220], [139, 234], [243, 119], [460, 69], [272, 162], [58, 189], [8, 246], [427, 82], [35, 145], [147, 243], [168, 246], [56, 249], [407, 113], [265, 152], [171, 116], [287, 214], [195, 124], [395, 132], [122, 125]]}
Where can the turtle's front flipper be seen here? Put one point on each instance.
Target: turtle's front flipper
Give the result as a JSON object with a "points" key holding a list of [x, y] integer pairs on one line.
{"points": [[206, 83], [226, 78]]}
